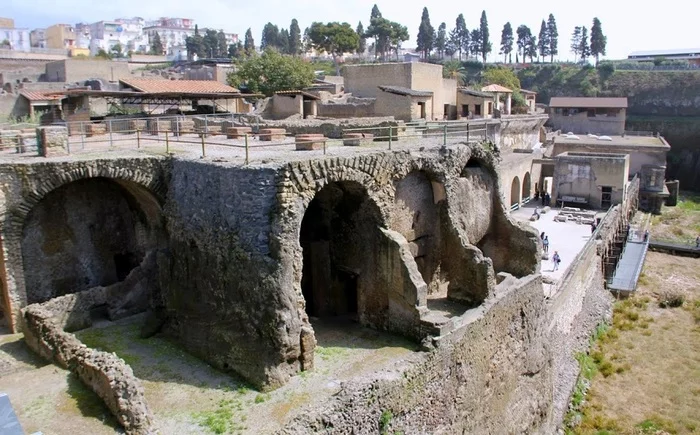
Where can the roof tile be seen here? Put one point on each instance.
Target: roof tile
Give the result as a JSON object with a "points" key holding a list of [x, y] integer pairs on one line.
{"points": [[156, 86], [496, 88], [400, 90], [40, 95]]}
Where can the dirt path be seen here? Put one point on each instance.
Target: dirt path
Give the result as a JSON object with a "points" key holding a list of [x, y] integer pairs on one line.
{"points": [[186, 395]]}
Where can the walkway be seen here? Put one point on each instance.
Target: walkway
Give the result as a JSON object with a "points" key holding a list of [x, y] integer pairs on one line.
{"points": [[629, 267], [674, 248]]}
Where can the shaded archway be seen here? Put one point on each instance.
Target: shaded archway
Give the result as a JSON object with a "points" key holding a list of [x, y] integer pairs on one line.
{"points": [[339, 229], [87, 233], [515, 192], [526, 187]]}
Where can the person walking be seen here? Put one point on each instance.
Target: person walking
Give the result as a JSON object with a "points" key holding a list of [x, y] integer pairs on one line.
{"points": [[545, 244], [556, 259]]}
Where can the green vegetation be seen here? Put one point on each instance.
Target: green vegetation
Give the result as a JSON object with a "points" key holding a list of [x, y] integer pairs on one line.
{"points": [[333, 38], [385, 421], [221, 420], [272, 72], [680, 224], [328, 353]]}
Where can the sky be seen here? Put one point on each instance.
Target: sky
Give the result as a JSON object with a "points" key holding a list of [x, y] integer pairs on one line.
{"points": [[629, 26]]}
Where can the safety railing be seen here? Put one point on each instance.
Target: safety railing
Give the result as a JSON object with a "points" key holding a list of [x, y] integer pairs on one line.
{"points": [[208, 139]]}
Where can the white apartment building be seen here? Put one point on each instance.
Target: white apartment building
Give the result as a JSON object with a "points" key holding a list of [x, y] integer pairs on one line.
{"points": [[15, 39], [172, 31], [37, 38]]}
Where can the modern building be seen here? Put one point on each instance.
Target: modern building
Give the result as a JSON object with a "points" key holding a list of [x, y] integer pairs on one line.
{"points": [[15, 39], [60, 36], [7, 23], [172, 31], [588, 115], [37, 38], [407, 90], [692, 55]]}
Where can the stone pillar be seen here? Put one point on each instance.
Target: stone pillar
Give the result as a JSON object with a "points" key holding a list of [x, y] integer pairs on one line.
{"points": [[52, 141], [508, 103]]}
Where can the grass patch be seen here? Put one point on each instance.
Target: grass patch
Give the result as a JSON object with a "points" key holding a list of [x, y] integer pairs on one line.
{"points": [[329, 353], [222, 419], [385, 422]]}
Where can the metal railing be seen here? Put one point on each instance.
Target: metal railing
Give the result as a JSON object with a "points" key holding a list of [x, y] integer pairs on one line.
{"points": [[211, 132]]}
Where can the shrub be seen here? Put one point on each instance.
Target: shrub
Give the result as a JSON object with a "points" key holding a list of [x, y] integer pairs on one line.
{"points": [[671, 299]]}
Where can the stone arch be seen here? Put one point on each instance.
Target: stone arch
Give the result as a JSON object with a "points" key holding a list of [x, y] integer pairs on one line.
{"points": [[527, 186], [87, 233], [142, 184], [340, 236], [515, 192]]}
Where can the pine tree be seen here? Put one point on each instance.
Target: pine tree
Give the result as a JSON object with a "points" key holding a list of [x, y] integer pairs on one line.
{"points": [[362, 47], [543, 41], [156, 45], [576, 42], [459, 36], [270, 37], [484, 35], [524, 36], [506, 41], [375, 12], [426, 35], [441, 40], [283, 41], [553, 36], [249, 43], [584, 48], [531, 47], [294, 38], [235, 50], [598, 40], [222, 48], [475, 41]]}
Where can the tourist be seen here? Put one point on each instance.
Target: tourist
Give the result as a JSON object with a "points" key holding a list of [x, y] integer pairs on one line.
{"points": [[646, 235], [545, 244], [593, 227], [547, 198], [555, 261], [697, 242]]}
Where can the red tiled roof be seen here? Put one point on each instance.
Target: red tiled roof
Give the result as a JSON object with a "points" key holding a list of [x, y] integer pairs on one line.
{"points": [[156, 86], [496, 88], [40, 95]]}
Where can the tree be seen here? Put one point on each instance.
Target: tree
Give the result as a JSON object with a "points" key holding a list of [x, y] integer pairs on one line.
{"points": [[101, 54], [236, 50], [195, 44], [399, 34], [211, 43], [362, 45], [459, 36], [283, 42], [441, 40], [598, 40], [506, 41], [375, 12], [294, 38], [453, 69], [553, 37], [475, 41], [249, 44], [576, 42], [503, 76], [156, 45], [222, 49], [426, 35], [272, 72], [543, 41], [117, 50], [524, 37], [531, 47], [270, 37], [584, 50], [484, 34], [380, 29], [334, 38]]}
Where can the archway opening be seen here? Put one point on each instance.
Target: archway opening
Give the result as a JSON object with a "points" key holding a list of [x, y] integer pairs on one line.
{"points": [[526, 187], [88, 233], [515, 193], [337, 233]]}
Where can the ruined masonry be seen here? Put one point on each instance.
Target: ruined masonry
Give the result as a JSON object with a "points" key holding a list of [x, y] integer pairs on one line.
{"points": [[234, 262]]}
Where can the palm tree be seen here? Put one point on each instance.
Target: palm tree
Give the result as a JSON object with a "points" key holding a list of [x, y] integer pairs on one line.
{"points": [[453, 69]]}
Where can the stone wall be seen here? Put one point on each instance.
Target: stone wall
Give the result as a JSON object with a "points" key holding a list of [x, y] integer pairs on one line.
{"points": [[143, 182], [520, 131], [78, 70], [346, 110], [45, 326]]}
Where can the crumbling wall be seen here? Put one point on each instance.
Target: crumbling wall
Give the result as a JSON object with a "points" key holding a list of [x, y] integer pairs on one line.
{"points": [[45, 327], [520, 131], [492, 375], [346, 110]]}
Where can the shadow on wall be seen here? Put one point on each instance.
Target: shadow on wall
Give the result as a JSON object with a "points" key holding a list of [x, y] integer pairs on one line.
{"points": [[88, 233]]}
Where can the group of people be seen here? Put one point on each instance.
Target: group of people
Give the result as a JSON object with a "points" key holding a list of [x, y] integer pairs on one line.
{"points": [[556, 259], [544, 196]]}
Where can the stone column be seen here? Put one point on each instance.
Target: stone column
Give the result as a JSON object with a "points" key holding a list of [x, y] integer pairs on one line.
{"points": [[52, 140], [508, 103]]}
